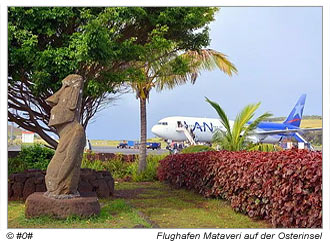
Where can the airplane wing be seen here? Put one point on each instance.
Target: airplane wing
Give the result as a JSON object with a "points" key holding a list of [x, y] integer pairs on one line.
{"points": [[284, 131]]}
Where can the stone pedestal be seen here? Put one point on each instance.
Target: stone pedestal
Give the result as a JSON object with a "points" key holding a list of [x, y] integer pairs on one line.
{"points": [[37, 205]]}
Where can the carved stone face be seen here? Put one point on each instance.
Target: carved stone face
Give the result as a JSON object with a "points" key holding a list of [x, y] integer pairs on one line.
{"points": [[66, 101]]}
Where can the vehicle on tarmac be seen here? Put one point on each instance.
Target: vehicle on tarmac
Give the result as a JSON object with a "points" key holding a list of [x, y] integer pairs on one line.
{"points": [[122, 145], [153, 145], [130, 144]]}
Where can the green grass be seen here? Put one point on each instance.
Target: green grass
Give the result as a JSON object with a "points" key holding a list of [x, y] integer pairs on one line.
{"points": [[150, 204], [196, 148], [172, 208], [114, 214]]}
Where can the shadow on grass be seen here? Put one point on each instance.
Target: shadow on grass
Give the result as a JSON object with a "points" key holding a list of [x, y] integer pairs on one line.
{"points": [[145, 205]]}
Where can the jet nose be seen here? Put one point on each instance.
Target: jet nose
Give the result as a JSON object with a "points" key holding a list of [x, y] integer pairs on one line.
{"points": [[155, 130]]}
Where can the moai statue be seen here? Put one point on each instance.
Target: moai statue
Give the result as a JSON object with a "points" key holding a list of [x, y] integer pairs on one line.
{"points": [[63, 171]]}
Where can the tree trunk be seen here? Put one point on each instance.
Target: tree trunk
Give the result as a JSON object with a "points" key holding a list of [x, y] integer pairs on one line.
{"points": [[143, 123]]}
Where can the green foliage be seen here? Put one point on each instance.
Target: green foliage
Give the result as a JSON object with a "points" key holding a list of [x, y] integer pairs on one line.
{"points": [[116, 167], [160, 39], [15, 165], [106, 45], [122, 170], [235, 136], [51, 42], [119, 169], [263, 147], [31, 157], [174, 54], [95, 165], [36, 156], [196, 148], [150, 173]]}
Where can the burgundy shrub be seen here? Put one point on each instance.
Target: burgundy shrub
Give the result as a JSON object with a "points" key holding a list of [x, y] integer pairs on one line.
{"points": [[282, 187]]}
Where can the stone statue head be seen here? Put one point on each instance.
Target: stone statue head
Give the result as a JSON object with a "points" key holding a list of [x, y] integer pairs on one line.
{"points": [[66, 102]]}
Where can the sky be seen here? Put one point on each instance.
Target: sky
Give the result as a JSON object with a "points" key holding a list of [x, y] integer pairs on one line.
{"points": [[278, 54]]}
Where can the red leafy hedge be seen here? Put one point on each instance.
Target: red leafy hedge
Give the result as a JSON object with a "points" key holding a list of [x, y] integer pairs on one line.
{"points": [[282, 187]]}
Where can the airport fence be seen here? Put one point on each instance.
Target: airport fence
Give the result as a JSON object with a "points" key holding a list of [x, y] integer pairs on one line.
{"points": [[283, 187]]}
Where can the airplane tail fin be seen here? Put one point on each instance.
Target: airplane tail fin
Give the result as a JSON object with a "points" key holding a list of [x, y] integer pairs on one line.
{"points": [[295, 116]]}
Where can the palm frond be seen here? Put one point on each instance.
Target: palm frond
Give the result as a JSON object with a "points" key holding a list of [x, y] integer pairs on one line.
{"points": [[235, 138], [222, 138], [240, 122], [208, 59], [222, 115], [255, 123], [195, 61]]}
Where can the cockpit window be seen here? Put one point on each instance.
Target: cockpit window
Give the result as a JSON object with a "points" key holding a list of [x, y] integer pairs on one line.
{"points": [[162, 123]]}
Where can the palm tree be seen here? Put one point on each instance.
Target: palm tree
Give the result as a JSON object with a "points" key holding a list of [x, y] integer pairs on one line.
{"points": [[235, 136], [169, 71]]}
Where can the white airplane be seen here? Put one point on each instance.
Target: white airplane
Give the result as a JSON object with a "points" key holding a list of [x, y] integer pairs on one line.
{"points": [[179, 128]]}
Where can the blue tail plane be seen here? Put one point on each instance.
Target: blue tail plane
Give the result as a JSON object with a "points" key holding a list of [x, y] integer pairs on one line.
{"points": [[295, 116]]}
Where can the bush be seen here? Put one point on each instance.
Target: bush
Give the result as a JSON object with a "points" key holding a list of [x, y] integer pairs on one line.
{"points": [[150, 173], [121, 169], [117, 168], [282, 187], [120, 166], [30, 157], [196, 148], [94, 165], [263, 147], [36, 156], [15, 165]]}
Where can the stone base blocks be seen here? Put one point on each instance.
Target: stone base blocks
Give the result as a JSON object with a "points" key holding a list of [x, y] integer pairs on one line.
{"points": [[23, 184], [37, 205]]}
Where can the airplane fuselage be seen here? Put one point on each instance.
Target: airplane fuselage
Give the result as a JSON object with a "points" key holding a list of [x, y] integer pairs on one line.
{"points": [[180, 128], [204, 129]]}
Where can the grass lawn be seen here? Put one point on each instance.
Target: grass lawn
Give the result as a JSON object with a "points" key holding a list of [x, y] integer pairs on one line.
{"points": [[148, 204], [114, 214]]}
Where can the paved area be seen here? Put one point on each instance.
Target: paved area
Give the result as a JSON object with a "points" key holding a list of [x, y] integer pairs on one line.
{"points": [[14, 148]]}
